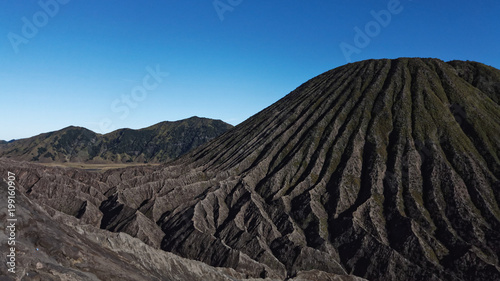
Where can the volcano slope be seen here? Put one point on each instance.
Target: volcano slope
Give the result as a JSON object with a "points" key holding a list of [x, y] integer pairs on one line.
{"points": [[381, 169]]}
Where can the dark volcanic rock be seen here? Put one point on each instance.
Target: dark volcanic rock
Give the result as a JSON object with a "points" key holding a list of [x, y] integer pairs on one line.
{"points": [[58, 247], [382, 169]]}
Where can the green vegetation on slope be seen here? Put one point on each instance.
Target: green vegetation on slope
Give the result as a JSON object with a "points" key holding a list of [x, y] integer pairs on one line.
{"points": [[158, 143]]}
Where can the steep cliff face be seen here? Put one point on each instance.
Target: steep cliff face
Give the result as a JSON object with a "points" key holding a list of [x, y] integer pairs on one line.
{"points": [[382, 169]]}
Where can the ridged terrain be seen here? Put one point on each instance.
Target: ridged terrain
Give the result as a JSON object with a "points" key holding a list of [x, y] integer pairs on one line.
{"points": [[52, 246], [161, 142], [382, 169]]}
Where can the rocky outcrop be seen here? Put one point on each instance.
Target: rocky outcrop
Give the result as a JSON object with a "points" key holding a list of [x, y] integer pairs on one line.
{"points": [[382, 169]]}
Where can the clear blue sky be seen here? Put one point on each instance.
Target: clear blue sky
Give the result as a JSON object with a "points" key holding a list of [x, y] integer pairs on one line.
{"points": [[86, 57]]}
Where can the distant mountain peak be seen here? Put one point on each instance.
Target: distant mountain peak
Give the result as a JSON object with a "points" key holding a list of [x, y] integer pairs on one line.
{"points": [[158, 143]]}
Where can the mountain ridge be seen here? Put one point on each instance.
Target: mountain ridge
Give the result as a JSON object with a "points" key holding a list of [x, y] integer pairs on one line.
{"points": [[161, 142]]}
